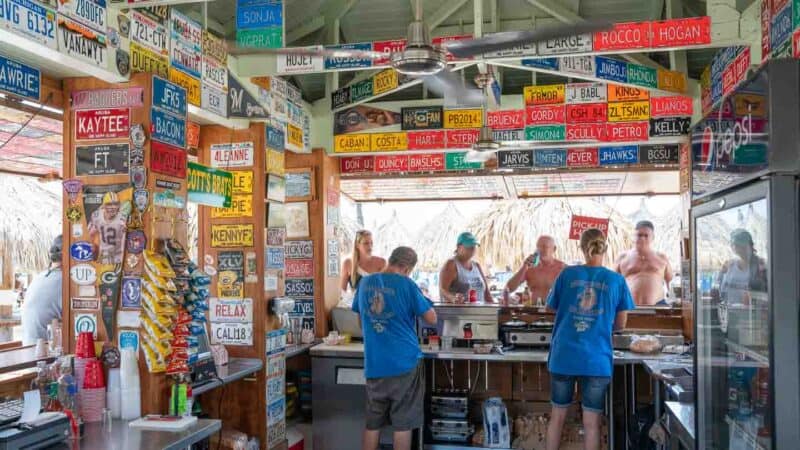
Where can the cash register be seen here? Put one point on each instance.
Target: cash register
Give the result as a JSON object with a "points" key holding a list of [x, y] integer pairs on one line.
{"points": [[44, 431]]}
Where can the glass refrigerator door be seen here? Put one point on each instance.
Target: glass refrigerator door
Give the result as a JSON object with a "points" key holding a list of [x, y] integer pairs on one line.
{"points": [[733, 308]]}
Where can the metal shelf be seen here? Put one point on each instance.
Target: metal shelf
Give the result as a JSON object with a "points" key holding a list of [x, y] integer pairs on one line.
{"points": [[236, 369], [752, 441], [750, 353]]}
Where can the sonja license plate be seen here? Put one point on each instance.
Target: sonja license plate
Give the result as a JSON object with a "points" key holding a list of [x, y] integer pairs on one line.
{"points": [[149, 33], [29, 19]]}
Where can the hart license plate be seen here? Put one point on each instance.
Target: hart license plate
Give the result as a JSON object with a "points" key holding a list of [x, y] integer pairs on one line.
{"points": [[29, 19]]}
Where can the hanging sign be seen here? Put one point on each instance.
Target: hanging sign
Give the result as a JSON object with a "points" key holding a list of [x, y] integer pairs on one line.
{"points": [[512, 52], [81, 42], [545, 115], [214, 100], [148, 33], [515, 159], [421, 118], [579, 224], [232, 310], [215, 73], [506, 120], [628, 111], [670, 106], [463, 118], [681, 32], [550, 158], [348, 62], [426, 162], [586, 113], [241, 103], [167, 128], [169, 97], [357, 164], [232, 333], [385, 81], [383, 142], [541, 63], [299, 268], [387, 48], [545, 133], [361, 90], [107, 98], [670, 126], [642, 76], [611, 69], [627, 131], [623, 36], [582, 65], [145, 60], [586, 132], [659, 154], [391, 163], [586, 93], [617, 93], [298, 63], [671, 80], [103, 159], [276, 138], [736, 72], [572, 44], [426, 140], [236, 154], [232, 235], [20, 79], [461, 138], [618, 155], [299, 249], [211, 187], [102, 123], [168, 160], [544, 95], [456, 161], [30, 20], [299, 287], [582, 157], [191, 84], [351, 143]]}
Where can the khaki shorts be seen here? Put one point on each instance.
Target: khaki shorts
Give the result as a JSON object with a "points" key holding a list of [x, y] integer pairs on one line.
{"points": [[397, 401]]}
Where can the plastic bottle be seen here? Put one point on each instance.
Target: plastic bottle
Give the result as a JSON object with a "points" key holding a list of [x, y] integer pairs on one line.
{"points": [[189, 401], [113, 393], [130, 389]]}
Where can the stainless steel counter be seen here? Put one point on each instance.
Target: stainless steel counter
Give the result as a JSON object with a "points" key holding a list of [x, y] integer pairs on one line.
{"points": [[681, 424], [122, 437], [236, 369]]}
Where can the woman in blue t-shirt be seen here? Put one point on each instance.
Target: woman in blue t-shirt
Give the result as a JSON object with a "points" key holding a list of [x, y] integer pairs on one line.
{"points": [[590, 302]]}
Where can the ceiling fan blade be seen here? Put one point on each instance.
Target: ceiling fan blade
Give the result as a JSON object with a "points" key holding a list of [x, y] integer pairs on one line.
{"points": [[508, 39], [473, 156], [236, 49], [449, 85]]}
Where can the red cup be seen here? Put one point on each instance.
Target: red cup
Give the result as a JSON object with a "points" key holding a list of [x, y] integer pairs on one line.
{"points": [[473, 296], [84, 346], [93, 376]]}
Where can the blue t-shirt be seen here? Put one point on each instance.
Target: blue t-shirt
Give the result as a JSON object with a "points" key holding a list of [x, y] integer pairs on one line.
{"points": [[388, 305], [586, 300]]}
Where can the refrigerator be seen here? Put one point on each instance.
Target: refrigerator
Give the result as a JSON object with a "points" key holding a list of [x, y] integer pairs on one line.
{"points": [[745, 228]]}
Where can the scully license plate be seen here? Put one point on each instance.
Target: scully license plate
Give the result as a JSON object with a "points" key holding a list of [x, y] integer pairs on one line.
{"points": [[29, 19], [81, 42], [147, 32]]}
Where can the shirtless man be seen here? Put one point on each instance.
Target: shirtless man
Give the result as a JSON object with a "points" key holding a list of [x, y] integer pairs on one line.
{"points": [[644, 269], [540, 277]]}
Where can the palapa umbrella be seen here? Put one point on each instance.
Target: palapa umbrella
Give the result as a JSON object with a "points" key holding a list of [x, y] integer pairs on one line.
{"points": [[30, 218], [508, 229], [390, 235], [436, 240]]}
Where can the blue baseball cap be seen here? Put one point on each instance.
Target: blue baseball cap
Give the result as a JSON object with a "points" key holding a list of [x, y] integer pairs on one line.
{"points": [[467, 239]]}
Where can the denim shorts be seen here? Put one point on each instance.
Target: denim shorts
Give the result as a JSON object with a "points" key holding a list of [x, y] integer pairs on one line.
{"points": [[593, 391]]}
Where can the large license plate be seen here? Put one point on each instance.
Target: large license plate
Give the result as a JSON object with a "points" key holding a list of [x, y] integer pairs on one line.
{"points": [[81, 42], [215, 73], [145, 60], [149, 33], [29, 19], [91, 13]]}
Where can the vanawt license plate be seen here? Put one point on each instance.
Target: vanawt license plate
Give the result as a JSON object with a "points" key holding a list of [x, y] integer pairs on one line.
{"points": [[30, 19]]}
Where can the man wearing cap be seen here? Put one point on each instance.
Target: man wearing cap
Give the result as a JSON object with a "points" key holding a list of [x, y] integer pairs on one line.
{"points": [[645, 270], [43, 299], [461, 279], [388, 304], [539, 270]]}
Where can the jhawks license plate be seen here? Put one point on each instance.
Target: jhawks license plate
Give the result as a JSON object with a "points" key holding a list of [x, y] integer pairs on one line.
{"points": [[29, 19], [81, 42]]}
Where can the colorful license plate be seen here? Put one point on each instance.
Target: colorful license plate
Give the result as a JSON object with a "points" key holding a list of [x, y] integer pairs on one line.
{"points": [[29, 19], [81, 42], [149, 33]]}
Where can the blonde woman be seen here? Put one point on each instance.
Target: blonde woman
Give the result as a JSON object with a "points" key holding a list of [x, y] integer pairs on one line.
{"points": [[590, 301], [361, 263]]}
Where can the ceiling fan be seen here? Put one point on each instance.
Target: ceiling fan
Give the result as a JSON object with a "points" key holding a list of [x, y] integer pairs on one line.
{"points": [[421, 59]]}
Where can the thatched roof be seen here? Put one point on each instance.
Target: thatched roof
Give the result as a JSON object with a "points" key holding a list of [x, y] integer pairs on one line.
{"points": [[390, 235], [30, 218], [436, 239], [508, 229]]}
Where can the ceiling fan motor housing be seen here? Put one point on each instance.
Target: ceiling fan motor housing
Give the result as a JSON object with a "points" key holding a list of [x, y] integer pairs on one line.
{"points": [[485, 142], [419, 57]]}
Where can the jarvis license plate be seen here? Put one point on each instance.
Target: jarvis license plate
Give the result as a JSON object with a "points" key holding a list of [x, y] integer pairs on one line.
{"points": [[29, 19]]}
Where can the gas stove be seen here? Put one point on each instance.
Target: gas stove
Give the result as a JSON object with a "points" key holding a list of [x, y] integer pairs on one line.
{"points": [[535, 334]]}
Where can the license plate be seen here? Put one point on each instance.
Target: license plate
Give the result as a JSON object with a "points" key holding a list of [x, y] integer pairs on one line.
{"points": [[88, 12], [215, 73], [29, 19], [145, 60], [214, 100], [628, 111], [81, 42], [147, 32], [167, 128]]}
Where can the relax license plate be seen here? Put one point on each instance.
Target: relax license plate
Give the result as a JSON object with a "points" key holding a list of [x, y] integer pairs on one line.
{"points": [[29, 19]]}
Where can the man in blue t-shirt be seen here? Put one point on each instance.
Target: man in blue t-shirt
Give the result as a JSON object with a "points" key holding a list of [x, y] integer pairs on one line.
{"points": [[388, 304], [590, 302]]}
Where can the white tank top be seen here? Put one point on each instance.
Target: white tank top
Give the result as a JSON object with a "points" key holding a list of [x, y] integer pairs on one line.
{"points": [[735, 283], [471, 279]]}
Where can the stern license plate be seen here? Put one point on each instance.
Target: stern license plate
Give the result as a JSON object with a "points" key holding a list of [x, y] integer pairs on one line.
{"points": [[149, 33], [81, 42], [29, 19]]}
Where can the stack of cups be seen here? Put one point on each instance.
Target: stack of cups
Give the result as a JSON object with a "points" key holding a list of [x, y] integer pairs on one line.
{"points": [[130, 390], [93, 395], [114, 393], [84, 352]]}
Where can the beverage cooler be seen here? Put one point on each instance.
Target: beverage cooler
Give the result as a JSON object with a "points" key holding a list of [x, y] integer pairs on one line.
{"points": [[745, 230]]}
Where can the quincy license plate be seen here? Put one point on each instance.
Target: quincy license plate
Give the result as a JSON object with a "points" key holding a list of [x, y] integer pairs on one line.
{"points": [[29, 19]]}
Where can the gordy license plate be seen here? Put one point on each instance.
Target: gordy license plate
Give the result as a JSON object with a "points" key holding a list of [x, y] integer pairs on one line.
{"points": [[30, 19], [149, 33]]}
